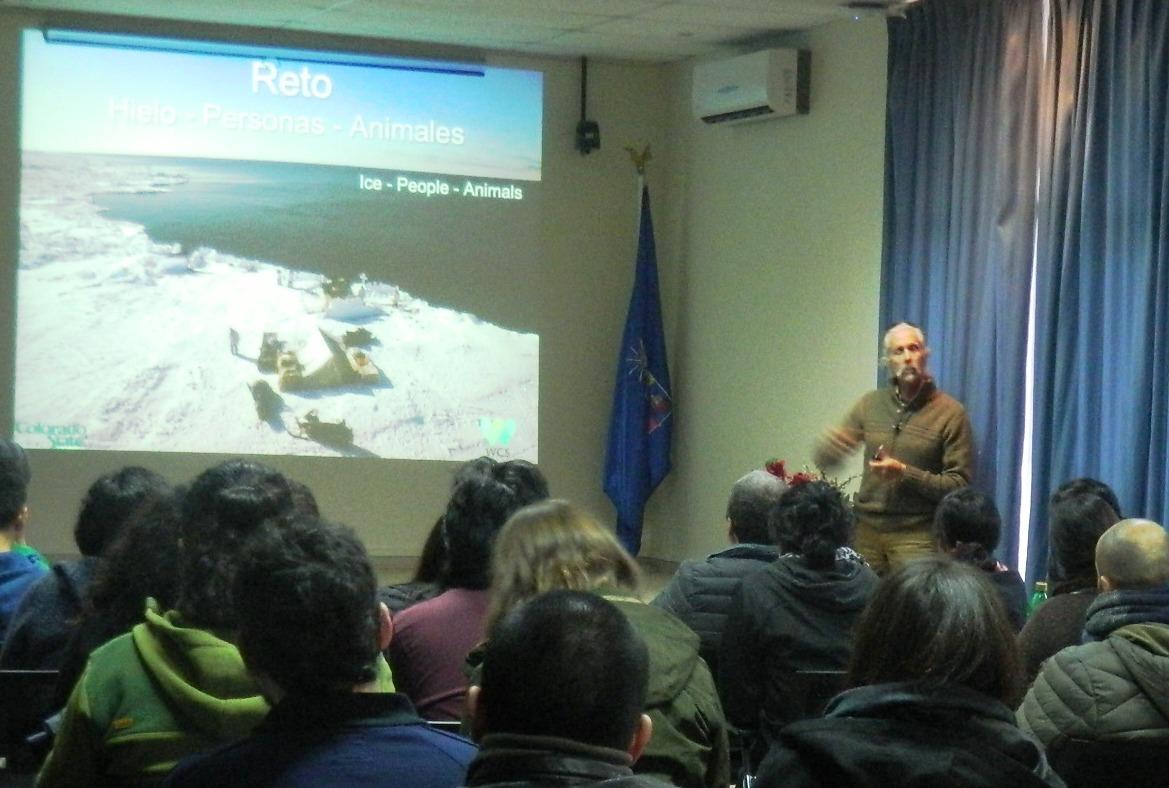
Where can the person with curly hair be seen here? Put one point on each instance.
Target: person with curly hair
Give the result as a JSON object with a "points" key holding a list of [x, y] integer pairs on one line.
{"points": [[795, 614], [175, 684], [311, 631]]}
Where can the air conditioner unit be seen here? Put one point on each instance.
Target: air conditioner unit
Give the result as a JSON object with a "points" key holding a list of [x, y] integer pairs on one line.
{"points": [[772, 83]]}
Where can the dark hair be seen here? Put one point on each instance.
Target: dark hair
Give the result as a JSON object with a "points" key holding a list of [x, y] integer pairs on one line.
{"points": [[13, 494], [221, 512], [1076, 525], [813, 520], [432, 562], [141, 561], [967, 526], [303, 500], [483, 498], [566, 664], [1085, 485], [938, 622], [12, 455], [306, 599], [752, 499], [110, 501]]}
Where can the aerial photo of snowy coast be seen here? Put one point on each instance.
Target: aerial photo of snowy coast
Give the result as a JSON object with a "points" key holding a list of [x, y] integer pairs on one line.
{"points": [[125, 343]]}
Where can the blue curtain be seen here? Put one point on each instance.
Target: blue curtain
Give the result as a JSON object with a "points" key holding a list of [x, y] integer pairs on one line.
{"points": [[960, 188], [1102, 263]]}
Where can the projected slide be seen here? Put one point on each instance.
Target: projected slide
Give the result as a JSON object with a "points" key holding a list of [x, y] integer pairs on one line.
{"points": [[222, 250]]}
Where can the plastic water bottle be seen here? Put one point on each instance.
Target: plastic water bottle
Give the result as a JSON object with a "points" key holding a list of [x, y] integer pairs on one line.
{"points": [[1038, 596]]}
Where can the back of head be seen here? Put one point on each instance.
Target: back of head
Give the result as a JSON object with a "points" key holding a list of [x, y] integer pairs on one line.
{"points": [[13, 495], [110, 501], [967, 525], [1133, 554], [937, 622], [752, 499], [554, 545], [141, 561], [1076, 525], [813, 520], [306, 600], [13, 457], [484, 496], [565, 664], [222, 510], [1086, 486]]}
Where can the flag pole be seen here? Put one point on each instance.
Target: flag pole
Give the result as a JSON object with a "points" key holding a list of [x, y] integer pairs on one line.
{"points": [[637, 454]]}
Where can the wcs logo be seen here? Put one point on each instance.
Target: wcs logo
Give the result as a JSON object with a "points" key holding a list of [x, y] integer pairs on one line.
{"points": [[498, 433]]}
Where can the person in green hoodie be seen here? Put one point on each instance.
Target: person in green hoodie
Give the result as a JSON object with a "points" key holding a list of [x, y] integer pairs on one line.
{"points": [[175, 684], [553, 545]]}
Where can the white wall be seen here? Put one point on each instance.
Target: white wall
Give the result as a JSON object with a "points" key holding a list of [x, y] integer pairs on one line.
{"points": [[772, 280]]}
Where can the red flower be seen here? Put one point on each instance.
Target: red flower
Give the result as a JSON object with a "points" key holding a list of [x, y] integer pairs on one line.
{"points": [[776, 468], [803, 477]]}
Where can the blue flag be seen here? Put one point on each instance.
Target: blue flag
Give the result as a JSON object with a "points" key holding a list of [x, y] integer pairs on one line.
{"points": [[638, 454]]}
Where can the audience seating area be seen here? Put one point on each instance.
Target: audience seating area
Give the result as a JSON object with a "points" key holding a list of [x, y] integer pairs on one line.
{"points": [[873, 687]]}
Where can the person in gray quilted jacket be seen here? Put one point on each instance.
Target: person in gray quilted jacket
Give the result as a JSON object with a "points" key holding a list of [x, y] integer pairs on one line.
{"points": [[1113, 686], [700, 592]]}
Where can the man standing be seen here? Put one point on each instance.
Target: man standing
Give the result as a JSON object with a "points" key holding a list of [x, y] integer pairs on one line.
{"points": [[919, 447], [1113, 685]]}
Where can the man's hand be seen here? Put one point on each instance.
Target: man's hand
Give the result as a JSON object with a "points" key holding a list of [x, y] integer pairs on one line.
{"points": [[835, 445], [887, 468]]}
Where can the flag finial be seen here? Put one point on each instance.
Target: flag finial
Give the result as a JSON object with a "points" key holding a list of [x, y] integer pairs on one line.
{"points": [[639, 159]]}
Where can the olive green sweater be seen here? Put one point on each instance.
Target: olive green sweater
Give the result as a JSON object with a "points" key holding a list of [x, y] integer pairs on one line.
{"points": [[931, 435]]}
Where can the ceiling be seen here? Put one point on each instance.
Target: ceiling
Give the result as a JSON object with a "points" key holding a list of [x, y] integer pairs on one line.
{"points": [[639, 30]]}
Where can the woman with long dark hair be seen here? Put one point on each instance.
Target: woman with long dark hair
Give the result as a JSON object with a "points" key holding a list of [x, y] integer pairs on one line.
{"points": [[934, 676], [968, 527]]}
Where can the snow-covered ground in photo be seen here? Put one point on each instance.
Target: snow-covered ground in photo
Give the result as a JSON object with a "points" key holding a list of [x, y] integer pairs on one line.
{"points": [[122, 343]]}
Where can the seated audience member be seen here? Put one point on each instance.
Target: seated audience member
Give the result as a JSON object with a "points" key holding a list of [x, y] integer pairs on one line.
{"points": [[700, 592], [432, 638], [560, 698], [1076, 523], [428, 575], [19, 567], [1113, 686], [174, 685], [141, 563], [934, 672], [311, 631], [968, 526], [553, 545], [49, 612], [796, 614]]}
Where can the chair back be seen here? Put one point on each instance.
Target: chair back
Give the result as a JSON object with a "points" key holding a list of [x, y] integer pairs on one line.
{"points": [[812, 689], [21, 698], [1086, 763]]}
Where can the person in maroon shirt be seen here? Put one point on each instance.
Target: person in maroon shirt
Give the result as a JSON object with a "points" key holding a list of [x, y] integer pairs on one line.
{"points": [[432, 638]]}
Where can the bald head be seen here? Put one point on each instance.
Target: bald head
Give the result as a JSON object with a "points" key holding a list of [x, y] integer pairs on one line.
{"points": [[1133, 554]]}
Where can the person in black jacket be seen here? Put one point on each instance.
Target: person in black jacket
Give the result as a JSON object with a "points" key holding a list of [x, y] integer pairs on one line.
{"points": [[560, 698], [700, 592], [934, 673], [968, 526], [49, 612], [796, 614]]}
